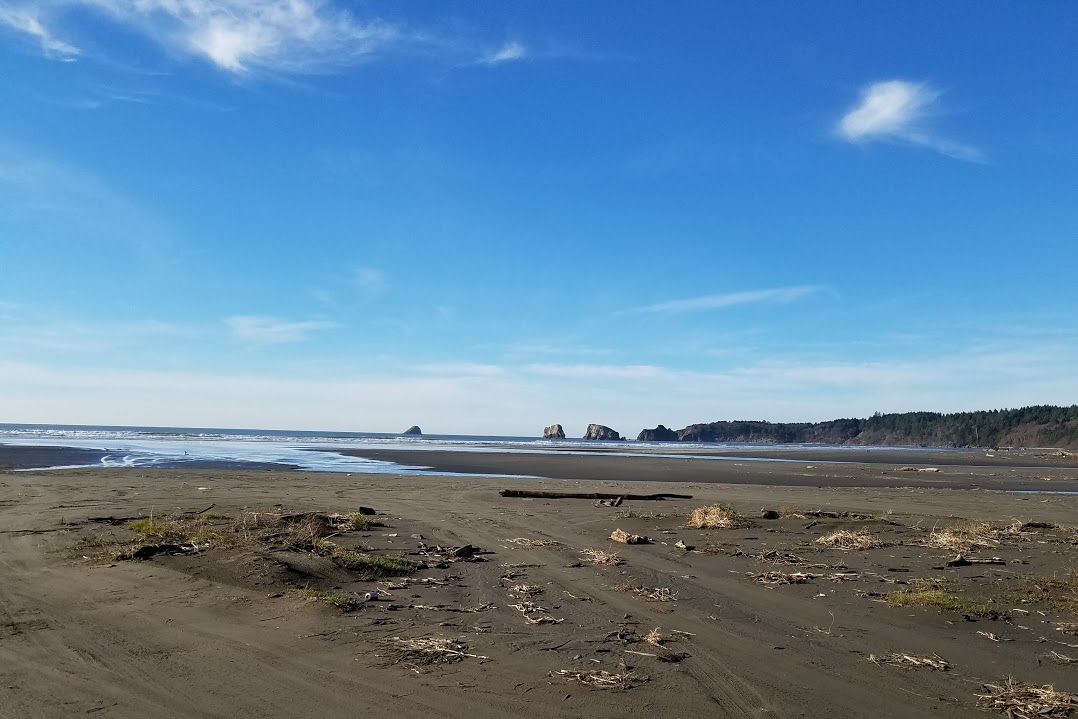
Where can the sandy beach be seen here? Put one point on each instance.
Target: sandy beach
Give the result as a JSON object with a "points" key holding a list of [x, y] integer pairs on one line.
{"points": [[760, 620]]}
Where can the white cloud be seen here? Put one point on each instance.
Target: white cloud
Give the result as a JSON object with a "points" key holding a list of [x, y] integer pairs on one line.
{"points": [[897, 110], [508, 52], [778, 295], [371, 280], [272, 330], [26, 20]]}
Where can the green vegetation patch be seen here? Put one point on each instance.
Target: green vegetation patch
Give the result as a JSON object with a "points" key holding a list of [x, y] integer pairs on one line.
{"points": [[374, 566], [944, 601], [316, 595]]}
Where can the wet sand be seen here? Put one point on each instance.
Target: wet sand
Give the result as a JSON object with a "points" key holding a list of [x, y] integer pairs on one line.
{"points": [[220, 631], [864, 468]]}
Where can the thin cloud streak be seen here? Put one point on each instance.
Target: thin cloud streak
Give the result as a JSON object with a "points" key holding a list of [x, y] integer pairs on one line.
{"points": [[509, 52], [778, 295], [26, 20], [896, 110], [260, 329]]}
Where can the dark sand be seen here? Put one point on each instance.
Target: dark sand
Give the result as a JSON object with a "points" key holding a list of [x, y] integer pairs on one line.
{"points": [[217, 632], [865, 468], [20, 457]]}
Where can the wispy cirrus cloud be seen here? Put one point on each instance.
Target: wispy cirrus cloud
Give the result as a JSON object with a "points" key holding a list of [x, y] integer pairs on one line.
{"points": [[246, 36], [26, 20], [509, 52], [897, 110], [260, 329], [777, 295]]}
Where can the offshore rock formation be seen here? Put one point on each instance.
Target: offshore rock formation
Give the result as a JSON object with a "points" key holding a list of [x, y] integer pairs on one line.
{"points": [[414, 429], [554, 431], [598, 431], [659, 434]]}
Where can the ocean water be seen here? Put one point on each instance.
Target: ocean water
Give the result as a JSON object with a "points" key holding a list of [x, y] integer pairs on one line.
{"points": [[176, 446]]}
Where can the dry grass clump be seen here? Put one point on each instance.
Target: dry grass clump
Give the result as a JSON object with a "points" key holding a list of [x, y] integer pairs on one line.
{"points": [[425, 651], [717, 516], [601, 679], [969, 535], [1027, 701], [942, 600], [528, 590], [901, 659], [846, 540], [1056, 591], [655, 637], [599, 556]]}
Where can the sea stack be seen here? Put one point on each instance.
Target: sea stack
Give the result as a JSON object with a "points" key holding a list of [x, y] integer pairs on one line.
{"points": [[554, 431], [659, 434], [414, 429], [600, 432]]}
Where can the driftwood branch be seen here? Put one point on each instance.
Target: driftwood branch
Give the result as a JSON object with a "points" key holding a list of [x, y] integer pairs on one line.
{"points": [[534, 494]]}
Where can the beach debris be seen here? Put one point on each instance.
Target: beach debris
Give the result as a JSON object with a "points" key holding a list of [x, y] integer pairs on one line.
{"points": [[775, 578], [901, 659], [846, 540], [616, 502], [769, 514], [918, 469], [534, 613], [463, 552], [600, 556], [446, 608], [989, 636], [1027, 701], [529, 543], [717, 516], [528, 590], [536, 494], [961, 561], [650, 594], [424, 651], [1068, 628], [601, 679], [620, 535], [1061, 658], [680, 544]]}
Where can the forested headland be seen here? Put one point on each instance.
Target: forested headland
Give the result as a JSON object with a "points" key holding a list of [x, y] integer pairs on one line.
{"points": [[1038, 426]]}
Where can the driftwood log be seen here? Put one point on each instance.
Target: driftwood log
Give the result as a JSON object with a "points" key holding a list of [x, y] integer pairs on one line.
{"points": [[534, 494]]}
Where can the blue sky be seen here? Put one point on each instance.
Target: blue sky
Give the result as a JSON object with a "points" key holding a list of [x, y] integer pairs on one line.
{"points": [[487, 217]]}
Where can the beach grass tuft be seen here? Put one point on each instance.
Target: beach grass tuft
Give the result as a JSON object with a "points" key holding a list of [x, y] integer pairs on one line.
{"points": [[850, 540], [717, 516]]}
